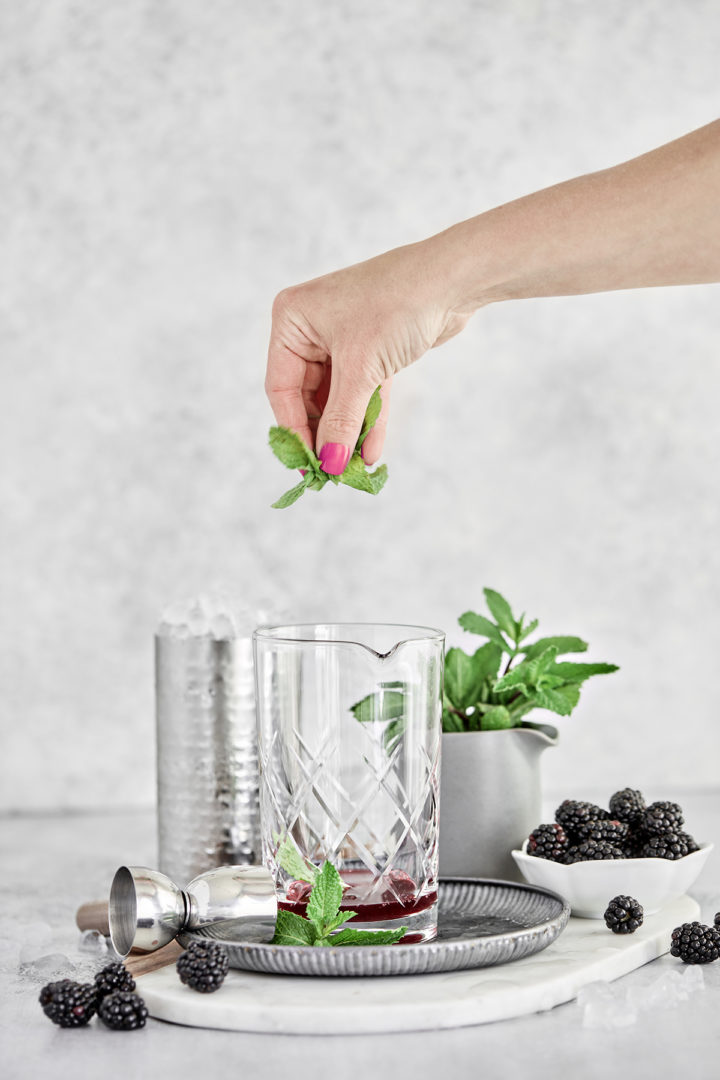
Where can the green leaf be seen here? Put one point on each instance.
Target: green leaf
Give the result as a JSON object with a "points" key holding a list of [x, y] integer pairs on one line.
{"points": [[381, 705], [555, 700], [526, 631], [368, 937], [486, 661], [495, 719], [563, 644], [317, 483], [462, 686], [451, 721], [292, 495], [357, 475], [393, 734], [502, 613], [292, 862], [371, 415], [340, 918], [478, 624], [289, 448], [292, 929], [574, 673], [325, 898], [527, 672]]}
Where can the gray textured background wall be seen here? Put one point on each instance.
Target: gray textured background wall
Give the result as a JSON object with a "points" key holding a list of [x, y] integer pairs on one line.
{"points": [[166, 168]]}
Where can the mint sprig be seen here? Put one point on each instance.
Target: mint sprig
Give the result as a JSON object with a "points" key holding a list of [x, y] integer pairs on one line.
{"points": [[290, 449], [323, 918], [500, 683]]}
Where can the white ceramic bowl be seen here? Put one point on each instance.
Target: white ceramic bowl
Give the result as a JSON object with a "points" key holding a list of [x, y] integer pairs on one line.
{"points": [[589, 886]]}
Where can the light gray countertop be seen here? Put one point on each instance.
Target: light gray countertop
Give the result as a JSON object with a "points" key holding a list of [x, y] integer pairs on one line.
{"points": [[50, 865]]}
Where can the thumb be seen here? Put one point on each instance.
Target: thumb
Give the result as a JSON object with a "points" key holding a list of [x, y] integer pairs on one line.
{"points": [[342, 419]]}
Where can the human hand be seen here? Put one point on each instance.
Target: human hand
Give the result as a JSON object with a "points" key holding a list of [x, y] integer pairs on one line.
{"points": [[337, 337]]}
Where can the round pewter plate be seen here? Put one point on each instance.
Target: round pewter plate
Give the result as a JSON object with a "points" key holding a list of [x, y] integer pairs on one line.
{"points": [[480, 923]]}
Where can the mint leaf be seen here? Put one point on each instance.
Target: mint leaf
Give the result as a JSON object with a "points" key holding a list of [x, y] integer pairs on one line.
{"points": [[333, 924], [381, 705], [561, 700], [478, 624], [495, 719], [325, 898], [292, 451], [289, 448], [371, 415], [526, 631], [563, 644], [292, 929], [486, 661], [502, 613], [368, 937], [462, 684], [292, 495], [293, 863], [356, 475], [393, 734], [574, 673], [451, 721]]}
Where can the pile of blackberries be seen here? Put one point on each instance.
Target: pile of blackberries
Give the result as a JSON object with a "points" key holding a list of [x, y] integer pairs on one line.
{"points": [[628, 829], [73, 1004]]}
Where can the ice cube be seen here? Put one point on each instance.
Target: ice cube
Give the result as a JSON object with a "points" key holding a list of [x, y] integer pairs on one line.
{"points": [[665, 990], [201, 616], [606, 1006], [693, 979], [47, 968], [93, 942]]}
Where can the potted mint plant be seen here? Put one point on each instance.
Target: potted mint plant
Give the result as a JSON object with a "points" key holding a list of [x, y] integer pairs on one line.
{"points": [[490, 774]]}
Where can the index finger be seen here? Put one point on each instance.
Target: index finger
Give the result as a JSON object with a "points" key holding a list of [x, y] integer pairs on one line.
{"points": [[284, 379]]}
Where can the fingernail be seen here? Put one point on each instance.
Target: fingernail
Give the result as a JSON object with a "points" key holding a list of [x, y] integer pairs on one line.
{"points": [[334, 457], [302, 472]]}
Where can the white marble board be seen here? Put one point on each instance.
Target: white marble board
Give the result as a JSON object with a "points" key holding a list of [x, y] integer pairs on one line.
{"points": [[585, 952]]}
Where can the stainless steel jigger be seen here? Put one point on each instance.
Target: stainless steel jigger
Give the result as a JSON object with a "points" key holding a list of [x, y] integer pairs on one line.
{"points": [[147, 910]]}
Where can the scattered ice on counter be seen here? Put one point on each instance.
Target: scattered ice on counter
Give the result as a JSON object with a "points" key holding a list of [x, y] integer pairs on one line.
{"points": [[48, 968], [93, 943], [607, 1005], [202, 616]]}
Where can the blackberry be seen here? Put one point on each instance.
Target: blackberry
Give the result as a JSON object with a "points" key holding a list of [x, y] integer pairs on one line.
{"points": [[634, 843], [203, 966], [695, 943], [111, 978], [623, 915], [717, 921], [590, 850], [123, 1011], [662, 817], [572, 814], [69, 1004], [548, 842], [627, 805], [614, 831], [671, 845]]}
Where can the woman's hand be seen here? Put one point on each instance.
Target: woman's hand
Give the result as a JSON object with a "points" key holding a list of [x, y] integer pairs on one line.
{"points": [[336, 338]]}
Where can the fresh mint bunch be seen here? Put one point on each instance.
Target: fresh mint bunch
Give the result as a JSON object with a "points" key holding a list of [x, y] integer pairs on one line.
{"points": [[321, 926], [292, 451], [499, 684]]}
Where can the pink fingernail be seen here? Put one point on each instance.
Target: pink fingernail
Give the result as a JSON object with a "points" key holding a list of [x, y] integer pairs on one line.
{"points": [[302, 472], [334, 457]]}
